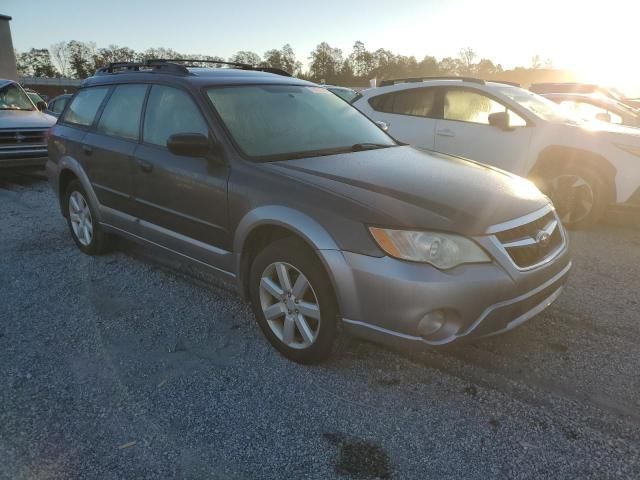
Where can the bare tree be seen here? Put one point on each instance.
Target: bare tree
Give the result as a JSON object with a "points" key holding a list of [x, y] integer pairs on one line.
{"points": [[60, 55]]}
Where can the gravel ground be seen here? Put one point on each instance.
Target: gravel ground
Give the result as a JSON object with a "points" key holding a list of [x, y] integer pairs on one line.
{"points": [[131, 365]]}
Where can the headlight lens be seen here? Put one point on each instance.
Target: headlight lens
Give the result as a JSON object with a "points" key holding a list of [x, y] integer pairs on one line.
{"points": [[442, 250], [630, 149]]}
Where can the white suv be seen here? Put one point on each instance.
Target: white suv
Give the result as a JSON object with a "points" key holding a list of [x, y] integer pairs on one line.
{"points": [[583, 167]]}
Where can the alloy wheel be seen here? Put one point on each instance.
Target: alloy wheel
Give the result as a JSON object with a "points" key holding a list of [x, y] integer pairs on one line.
{"points": [[572, 196], [80, 216], [290, 305]]}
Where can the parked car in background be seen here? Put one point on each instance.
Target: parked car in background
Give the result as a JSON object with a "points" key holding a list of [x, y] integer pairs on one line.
{"points": [[587, 88], [57, 104], [347, 94], [583, 169], [36, 98], [319, 217], [23, 129], [596, 107]]}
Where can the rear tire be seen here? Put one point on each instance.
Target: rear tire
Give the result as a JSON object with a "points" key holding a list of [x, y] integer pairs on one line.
{"points": [[83, 221], [579, 194], [293, 301]]}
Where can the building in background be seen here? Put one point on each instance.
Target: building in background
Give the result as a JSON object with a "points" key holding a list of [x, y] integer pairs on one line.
{"points": [[8, 68]]}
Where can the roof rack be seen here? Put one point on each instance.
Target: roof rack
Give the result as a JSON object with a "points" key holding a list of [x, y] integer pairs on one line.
{"points": [[179, 66], [385, 83], [193, 62]]}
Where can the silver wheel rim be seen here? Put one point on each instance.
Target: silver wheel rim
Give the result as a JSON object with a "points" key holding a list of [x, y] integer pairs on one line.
{"points": [[80, 216], [290, 305], [572, 196]]}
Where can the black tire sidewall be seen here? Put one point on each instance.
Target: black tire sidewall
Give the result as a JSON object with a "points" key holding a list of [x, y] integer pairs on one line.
{"points": [[97, 241], [600, 194], [304, 259]]}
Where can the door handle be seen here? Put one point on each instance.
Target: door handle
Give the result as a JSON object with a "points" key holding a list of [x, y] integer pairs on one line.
{"points": [[87, 149], [446, 133], [145, 166]]}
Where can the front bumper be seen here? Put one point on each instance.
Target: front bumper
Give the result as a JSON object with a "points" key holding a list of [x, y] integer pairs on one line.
{"points": [[385, 300], [13, 162]]}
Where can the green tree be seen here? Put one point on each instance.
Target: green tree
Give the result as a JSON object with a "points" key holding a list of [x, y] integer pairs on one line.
{"points": [[284, 59], [244, 56], [362, 61], [81, 58], [325, 63]]}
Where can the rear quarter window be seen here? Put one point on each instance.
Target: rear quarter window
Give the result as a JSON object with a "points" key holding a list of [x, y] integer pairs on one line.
{"points": [[85, 105]]}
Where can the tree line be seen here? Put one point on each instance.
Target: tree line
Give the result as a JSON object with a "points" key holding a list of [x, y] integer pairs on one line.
{"points": [[75, 59]]}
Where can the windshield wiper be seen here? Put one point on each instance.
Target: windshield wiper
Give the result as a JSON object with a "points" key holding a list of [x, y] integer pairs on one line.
{"points": [[359, 147], [15, 108]]}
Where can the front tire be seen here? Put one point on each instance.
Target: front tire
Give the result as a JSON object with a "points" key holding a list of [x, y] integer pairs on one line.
{"points": [[293, 301], [82, 221], [579, 194]]}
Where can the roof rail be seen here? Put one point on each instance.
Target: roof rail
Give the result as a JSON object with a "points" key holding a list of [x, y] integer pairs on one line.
{"points": [[178, 66], [384, 83], [193, 62], [505, 82], [145, 66]]}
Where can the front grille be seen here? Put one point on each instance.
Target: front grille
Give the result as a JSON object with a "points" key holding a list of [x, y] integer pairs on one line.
{"points": [[532, 243], [22, 137], [23, 143]]}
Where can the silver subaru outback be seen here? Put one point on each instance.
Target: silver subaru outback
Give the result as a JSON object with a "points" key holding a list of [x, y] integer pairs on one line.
{"points": [[322, 220]]}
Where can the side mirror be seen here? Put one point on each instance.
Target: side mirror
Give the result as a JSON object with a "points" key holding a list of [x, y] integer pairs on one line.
{"points": [[41, 105], [500, 120], [189, 144], [384, 126], [603, 117]]}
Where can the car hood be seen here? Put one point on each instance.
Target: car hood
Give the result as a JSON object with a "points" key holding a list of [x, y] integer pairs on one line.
{"points": [[412, 188], [25, 119]]}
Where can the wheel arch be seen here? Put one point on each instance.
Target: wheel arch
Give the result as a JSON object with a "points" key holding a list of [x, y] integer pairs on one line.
{"points": [[556, 157], [264, 225], [70, 169]]}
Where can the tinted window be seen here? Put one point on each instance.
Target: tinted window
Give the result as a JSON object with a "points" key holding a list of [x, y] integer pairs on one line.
{"points": [[280, 120], [171, 111], [416, 101], [382, 103], [121, 116], [467, 106], [84, 106]]}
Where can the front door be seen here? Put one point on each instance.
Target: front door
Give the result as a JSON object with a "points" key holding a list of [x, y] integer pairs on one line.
{"points": [[464, 130], [181, 201]]}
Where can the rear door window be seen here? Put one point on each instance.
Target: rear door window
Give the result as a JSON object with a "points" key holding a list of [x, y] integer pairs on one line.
{"points": [[85, 105], [121, 116], [417, 102], [171, 111]]}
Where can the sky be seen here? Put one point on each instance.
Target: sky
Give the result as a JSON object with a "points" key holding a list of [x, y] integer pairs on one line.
{"points": [[596, 38]]}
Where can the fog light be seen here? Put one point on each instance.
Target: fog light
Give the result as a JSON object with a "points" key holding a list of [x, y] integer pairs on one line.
{"points": [[431, 323]]}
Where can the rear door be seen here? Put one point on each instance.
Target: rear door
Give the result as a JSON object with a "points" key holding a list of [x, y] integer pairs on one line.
{"points": [[181, 201], [464, 130], [109, 150], [411, 114]]}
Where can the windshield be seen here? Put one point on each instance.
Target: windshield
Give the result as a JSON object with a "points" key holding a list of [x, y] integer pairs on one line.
{"points": [[12, 97], [273, 122], [536, 104]]}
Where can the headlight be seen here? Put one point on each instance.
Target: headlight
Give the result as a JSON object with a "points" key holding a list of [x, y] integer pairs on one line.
{"points": [[630, 149], [442, 250]]}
